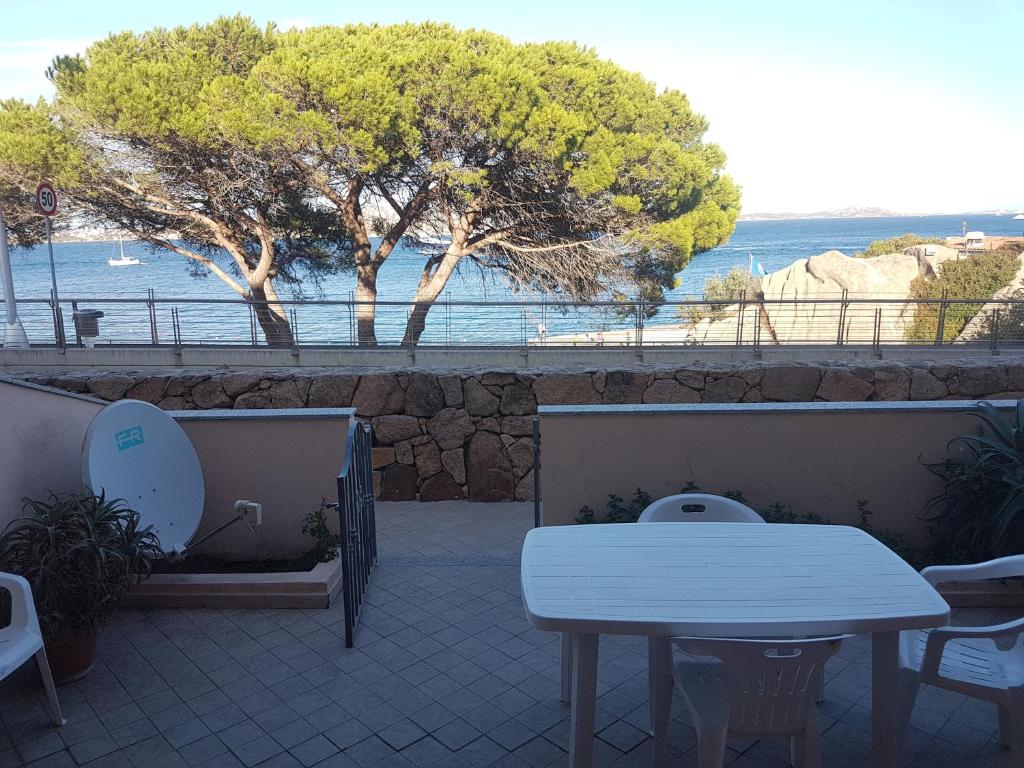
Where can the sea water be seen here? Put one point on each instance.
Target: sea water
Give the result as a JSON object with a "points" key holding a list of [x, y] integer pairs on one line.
{"points": [[84, 275]]}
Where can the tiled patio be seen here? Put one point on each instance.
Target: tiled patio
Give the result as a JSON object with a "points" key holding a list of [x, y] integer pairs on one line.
{"points": [[446, 672]]}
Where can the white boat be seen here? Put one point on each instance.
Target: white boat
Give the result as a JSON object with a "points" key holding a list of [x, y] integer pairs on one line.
{"points": [[123, 261], [429, 245], [1019, 216]]}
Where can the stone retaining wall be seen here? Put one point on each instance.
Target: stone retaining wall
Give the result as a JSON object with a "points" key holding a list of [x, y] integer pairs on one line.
{"points": [[447, 435]]}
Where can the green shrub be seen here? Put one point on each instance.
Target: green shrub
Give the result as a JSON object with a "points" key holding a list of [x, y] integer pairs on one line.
{"points": [[721, 292], [778, 512], [618, 512], [325, 543], [980, 513], [975, 277], [897, 244], [82, 554]]}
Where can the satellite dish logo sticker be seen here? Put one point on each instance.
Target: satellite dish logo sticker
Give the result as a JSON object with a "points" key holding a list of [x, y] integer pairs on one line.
{"points": [[129, 438]]}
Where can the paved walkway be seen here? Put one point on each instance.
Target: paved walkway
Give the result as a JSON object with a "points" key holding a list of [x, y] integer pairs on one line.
{"points": [[446, 672]]}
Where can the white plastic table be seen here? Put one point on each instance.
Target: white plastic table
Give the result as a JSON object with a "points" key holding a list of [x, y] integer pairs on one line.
{"points": [[723, 580]]}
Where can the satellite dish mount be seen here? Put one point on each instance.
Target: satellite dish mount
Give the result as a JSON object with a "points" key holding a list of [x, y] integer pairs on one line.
{"points": [[136, 452]]}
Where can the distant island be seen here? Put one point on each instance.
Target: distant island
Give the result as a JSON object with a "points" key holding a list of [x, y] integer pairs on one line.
{"points": [[841, 213], [863, 213]]}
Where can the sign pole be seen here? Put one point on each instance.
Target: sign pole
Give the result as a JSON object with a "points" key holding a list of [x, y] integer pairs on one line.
{"points": [[46, 204], [14, 331]]}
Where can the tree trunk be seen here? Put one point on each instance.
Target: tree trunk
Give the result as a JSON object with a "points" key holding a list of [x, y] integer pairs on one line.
{"points": [[432, 282], [417, 323], [272, 317], [366, 291]]}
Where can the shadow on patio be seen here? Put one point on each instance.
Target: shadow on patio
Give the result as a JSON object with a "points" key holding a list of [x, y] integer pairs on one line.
{"points": [[446, 671]]}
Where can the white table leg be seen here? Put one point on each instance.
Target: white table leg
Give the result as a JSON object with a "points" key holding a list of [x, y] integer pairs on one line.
{"points": [[566, 693], [886, 733], [659, 689], [584, 700]]}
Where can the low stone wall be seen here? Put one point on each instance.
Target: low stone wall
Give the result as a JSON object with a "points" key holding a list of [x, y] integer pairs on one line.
{"points": [[445, 435]]}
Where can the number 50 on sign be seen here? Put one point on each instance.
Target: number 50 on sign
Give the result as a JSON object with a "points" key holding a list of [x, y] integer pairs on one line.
{"points": [[46, 199]]}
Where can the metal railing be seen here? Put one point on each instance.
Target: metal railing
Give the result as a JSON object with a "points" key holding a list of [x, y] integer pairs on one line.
{"points": [[844, 319], [358, 523]]}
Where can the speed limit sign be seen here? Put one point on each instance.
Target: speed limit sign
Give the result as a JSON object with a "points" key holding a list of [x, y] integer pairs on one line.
{"points": [[46, 199]]}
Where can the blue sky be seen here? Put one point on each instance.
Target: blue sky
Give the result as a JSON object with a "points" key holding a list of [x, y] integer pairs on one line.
{"points": [[913, 106]]}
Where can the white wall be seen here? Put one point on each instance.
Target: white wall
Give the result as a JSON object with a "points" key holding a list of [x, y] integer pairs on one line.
{"points": [[41, 435], [819, 457], [287, 460]]}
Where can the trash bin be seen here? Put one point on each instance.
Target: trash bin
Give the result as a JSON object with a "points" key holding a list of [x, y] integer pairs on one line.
{"points": [[87, 325]]}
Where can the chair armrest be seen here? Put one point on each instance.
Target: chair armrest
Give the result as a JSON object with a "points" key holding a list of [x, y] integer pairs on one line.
{"points": [[1002, 568], [21, 599], [938, 638]]}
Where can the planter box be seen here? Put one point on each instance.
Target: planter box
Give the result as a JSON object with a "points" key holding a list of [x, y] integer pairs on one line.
{"points": [[316, 588]]}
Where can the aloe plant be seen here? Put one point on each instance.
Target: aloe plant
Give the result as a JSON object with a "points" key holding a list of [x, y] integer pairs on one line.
{"points": [[980, 512], [82, 554]]}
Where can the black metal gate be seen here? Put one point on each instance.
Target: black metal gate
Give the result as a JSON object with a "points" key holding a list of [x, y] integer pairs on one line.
{"points": [[358, 540]]}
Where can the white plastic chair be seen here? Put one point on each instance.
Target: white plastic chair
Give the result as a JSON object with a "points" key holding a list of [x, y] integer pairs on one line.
{"points": [[686, 508], [711, 509], [761, 688], [22, 639], [981, 662]]}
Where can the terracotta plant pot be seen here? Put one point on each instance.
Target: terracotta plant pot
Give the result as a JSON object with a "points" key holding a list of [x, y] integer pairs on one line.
{"points": [[72, 657]]}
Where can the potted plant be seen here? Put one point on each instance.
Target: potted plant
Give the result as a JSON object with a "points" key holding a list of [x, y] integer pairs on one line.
{"points": [[82, 554], [980, 513]]}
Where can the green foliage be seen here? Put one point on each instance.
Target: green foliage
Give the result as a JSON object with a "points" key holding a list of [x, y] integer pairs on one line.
{"points": [[82, 554], [719, 292], [1008, 322], [325, 543], [897, 244], [164, 131], [778, 512], [897, 542], [618, 511], [980, 513], [543, 136], [977, 276], [556, 168], [32, 149], [167, 85]]}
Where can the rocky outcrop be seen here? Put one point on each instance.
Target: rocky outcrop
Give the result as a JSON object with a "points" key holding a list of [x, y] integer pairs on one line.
{"points": [[931, 257], [802, 303], [981, 325], [468, 434], [834, 272], [827, 276]]}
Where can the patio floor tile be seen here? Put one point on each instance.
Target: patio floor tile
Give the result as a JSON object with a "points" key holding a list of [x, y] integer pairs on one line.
{"points": [[313, 750], [446, 672], [401, 734]]}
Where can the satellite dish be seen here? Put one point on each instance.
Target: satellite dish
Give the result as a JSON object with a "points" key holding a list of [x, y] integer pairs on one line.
{"points": [[136, 452]]}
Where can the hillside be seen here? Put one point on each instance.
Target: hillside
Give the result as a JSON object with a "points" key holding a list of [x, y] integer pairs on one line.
{"points": [[841, 213]]}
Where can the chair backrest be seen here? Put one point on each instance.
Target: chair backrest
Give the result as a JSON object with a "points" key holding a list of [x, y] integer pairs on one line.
{"points": [[23, 610], [1008, 567], [698, 508], [771, 684]]}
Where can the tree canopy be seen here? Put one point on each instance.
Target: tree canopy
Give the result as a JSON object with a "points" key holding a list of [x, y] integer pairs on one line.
{"points": [[166, 140], [544, 162], [32, 148], [286, 151]]}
